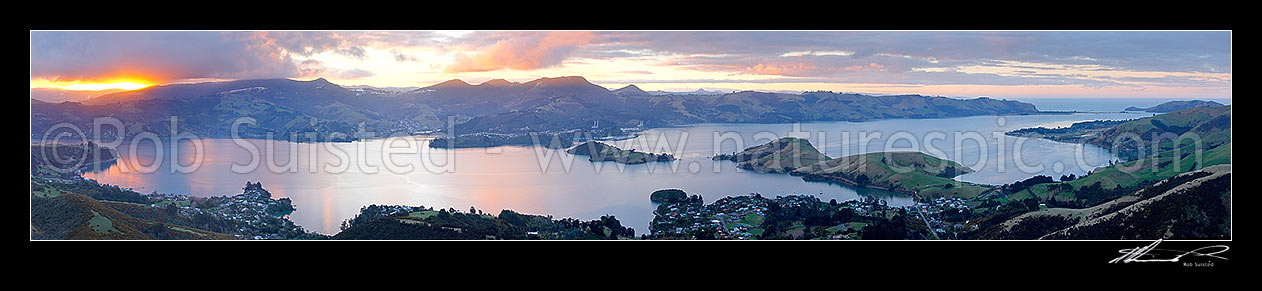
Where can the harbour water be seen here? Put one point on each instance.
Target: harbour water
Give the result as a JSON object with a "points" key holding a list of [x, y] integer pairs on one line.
{"points": [[330, 182]]}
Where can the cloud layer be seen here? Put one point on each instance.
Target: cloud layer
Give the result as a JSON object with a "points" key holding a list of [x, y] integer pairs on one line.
{"points": [[155, 56], [163, 56], [523, 51], [1183, 59]]}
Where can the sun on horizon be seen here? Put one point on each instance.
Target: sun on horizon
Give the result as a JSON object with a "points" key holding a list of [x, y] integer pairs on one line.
{"points": [[120, 84]]}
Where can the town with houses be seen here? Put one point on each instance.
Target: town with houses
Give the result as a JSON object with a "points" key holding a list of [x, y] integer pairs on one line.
{"points": [[751, 217], [253, 214]]}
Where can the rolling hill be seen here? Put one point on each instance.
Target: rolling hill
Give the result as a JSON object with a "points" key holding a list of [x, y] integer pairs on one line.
{"points": [[598, 151], [1136, 138], [1173, 106], [55, 95], [79, 217], [1192, 205], [782, 155], [1212, 125], [904, 172], [1207, 133]]}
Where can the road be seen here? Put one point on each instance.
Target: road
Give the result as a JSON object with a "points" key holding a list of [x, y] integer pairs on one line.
{"points": [[916, 204]]}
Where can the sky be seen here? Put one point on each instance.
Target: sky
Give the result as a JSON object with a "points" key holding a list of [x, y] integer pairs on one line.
{"points": [[998, 64]]}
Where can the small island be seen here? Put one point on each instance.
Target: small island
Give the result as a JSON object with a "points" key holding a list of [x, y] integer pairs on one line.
{"points": [[779, 156], [601, 152], [668, 196], [552, 141]]}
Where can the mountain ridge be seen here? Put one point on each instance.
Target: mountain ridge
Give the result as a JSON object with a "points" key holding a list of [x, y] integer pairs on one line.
{"points": [[1173, 106], [546, 105]]}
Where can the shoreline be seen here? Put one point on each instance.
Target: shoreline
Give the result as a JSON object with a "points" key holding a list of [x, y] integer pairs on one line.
{"points": [[432, 136]]}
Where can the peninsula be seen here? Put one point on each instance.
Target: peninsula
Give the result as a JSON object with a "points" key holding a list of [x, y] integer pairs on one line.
{"points": [[903, 172]]}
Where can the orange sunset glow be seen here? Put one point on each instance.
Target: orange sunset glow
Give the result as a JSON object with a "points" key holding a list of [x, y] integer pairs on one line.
{"points": [[124, 84]]}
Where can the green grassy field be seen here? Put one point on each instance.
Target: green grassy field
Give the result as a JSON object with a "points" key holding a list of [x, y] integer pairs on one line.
{"points": [[1193, 139], [182, 203], [757, 231], [101, 224], [177, 228], [913, 172], [849, 226], [423, 214], [39, 188], [962, 189], [1211, 125], [788, 152], [752, 220], [1158, 167]]}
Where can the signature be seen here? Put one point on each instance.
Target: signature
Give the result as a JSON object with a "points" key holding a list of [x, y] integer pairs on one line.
{"points": [[1151, 253]]}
